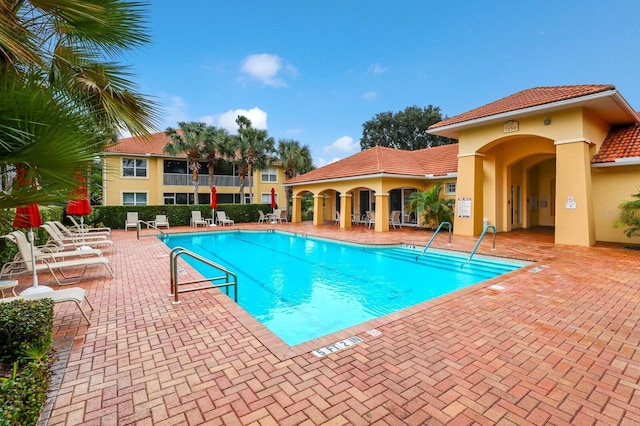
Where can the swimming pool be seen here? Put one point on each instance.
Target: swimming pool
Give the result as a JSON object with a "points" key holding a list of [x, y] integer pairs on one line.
{"points": [[302, 288]]}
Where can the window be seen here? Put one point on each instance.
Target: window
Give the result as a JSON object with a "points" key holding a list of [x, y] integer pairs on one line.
{"points": [[450, 188], [269, 175], [134, 167], [134, 199], [266, 198]]}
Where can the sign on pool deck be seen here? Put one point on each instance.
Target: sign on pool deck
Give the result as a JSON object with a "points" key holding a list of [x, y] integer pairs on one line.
{"points": [[334, 347]]}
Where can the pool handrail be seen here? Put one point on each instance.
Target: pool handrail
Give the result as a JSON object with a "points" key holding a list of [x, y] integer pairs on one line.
{"points": [[434, 236], [475, 248], [176, 252]]}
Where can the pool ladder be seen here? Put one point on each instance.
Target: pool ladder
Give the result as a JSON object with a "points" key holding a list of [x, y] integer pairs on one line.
{"points": [[475, 248], [149, 225], [225, 280], [433, 237]]}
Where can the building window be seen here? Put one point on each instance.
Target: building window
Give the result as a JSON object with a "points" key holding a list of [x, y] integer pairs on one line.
{"points": [[269, 175], [450, 188], [132, 167], [134, 199], [266, 198]]}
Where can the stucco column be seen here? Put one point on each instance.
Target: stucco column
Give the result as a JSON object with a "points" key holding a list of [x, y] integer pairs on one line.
{"points": [[382, 212], [468, 212], [296, 209], [345, 211], [318, 211], [574, 223]]}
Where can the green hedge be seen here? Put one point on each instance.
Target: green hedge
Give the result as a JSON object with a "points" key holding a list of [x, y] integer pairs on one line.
{"points": [[25, 341], [178, 214]]}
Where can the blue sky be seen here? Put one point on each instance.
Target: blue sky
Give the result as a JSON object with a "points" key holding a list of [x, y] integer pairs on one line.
{"points": [[316, 71]]}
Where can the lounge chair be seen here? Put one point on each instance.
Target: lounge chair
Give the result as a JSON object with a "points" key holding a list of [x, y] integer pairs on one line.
{"points": [[73, 294], [82, 227], [161, 221], [131, 221], [68, 233], [223, 219], [49, 251], [24, 264], [394, 219], [55, 237], [196, 219]]}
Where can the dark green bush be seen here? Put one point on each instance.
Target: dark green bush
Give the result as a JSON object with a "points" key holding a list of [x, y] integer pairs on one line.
{"points": [[178, 214], [24, 324], [23, 395]]}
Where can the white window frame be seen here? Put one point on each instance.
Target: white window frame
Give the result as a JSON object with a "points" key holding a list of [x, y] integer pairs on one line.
{"points": [[135, 198], [450, 188], [265, 198], [271, 175], [145, 167]]}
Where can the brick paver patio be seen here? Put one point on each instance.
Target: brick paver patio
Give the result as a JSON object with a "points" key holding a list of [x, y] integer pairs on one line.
{"points": [[559, 345]]}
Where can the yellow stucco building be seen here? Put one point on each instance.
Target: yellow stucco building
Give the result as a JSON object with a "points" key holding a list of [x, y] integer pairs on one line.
{"points": [[138, 172], [562, 156]]}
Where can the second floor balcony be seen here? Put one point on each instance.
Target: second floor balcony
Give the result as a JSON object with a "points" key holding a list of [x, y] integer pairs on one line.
{"points": [[179, 179]]}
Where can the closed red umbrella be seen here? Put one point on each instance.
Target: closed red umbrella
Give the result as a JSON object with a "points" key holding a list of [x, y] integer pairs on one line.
{"points": [[273, 198], [214, 205], [28, 217], [79, 203]]}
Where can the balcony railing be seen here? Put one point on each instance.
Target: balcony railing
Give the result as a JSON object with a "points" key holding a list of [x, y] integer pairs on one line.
{"points": [[177, 179]]}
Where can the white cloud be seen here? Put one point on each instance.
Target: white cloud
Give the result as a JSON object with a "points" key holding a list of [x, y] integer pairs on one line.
{"points": [[227, 120], [343, 144], [323, 161], [175, 110], [378, 69], [370, 96], [266, 67]]}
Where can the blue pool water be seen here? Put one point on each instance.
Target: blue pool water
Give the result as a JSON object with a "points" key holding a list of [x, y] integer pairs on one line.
{"points": [[302, 288]]}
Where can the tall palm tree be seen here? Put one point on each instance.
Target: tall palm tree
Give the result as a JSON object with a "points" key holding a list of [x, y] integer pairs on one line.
{"points": [[218, 143], [189, 140], [296, 160], [253, 148]]}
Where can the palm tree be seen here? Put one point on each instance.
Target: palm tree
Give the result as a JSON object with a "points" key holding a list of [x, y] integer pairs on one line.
{"points": [[630, 216], [217, 144], [189, 140], [434, 209], [296, 160], [253, 148]]}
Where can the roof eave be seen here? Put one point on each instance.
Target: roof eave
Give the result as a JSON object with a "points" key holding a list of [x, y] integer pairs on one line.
{"points": [[453, 130], [618, 162], [376, 175]]}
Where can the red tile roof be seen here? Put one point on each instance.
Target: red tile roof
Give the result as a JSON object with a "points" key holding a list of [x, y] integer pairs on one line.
{"points": [[621, 142], [526, 99], [437, 161], [154, 145]]}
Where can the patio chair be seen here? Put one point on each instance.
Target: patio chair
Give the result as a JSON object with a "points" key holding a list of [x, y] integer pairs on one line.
{"points": [[337, 218], [394, 219], [196, 219], [56, 238], [283, 216], [263, 217], [82, 227], [48, 251], [73, 294], [223, 219], [68, 233], [131, 221], [161, 221], [24, 264], [371, 218]]}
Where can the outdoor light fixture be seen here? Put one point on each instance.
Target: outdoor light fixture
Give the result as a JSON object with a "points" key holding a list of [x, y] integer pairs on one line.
{"points": [[547, 121]]}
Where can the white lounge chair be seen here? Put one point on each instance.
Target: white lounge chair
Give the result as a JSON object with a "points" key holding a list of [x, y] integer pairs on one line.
{"points": [[67, 233], [161, 221], [131, 221], [49, 252], [73, 294], [223, 219], [55, 237], [394, 219], [196, 219], [24, 264], [82, 227]]}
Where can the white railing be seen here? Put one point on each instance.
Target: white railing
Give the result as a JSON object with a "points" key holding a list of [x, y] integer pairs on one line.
{"points": [[178, 179]]}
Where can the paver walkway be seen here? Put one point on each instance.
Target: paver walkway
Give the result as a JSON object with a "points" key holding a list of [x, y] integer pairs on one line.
{"points": [[559, 345]]}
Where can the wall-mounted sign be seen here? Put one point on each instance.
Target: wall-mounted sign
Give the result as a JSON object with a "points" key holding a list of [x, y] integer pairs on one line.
{"points": [[511, 126], [570, 203], [464, 207]]}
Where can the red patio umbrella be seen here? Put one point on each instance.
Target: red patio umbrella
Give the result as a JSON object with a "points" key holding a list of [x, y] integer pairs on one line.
{"points": [[273, 198], [28, 217], [79, 203], [214, 204]]}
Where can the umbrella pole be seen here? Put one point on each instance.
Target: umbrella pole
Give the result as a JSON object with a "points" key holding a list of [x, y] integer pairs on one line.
{"points": [[83, 247], [35, 288]]}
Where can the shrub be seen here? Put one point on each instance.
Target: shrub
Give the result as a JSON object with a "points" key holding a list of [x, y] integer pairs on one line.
{"points": [[24, 324]]}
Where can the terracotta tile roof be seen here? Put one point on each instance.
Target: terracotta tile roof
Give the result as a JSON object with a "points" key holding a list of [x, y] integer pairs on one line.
{"points": [[437, 161], [154, 145], [526, 99], [621, 142]]}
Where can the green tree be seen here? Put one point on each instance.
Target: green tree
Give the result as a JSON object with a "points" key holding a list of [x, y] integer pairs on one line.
{"points": [[434, 209], [254, 148], [296, 160], [630, 217], [189, 140], [406, 130], [218, 144]]}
